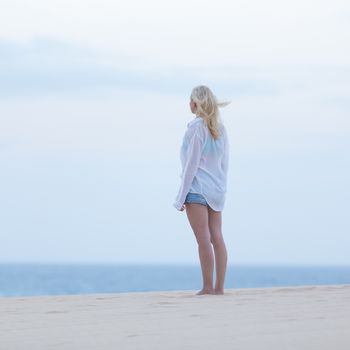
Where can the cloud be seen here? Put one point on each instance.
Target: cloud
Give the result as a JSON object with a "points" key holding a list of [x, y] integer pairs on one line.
{"points": [[46, 65]]}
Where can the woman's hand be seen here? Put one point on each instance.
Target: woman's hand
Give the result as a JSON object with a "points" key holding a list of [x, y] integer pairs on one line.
{"points": [[183, 207]]}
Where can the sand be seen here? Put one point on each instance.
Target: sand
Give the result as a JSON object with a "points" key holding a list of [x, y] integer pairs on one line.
{"points": [[308, 317]]}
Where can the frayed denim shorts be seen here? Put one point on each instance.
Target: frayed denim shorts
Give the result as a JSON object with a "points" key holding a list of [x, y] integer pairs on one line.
{"points": [[195, 198]]}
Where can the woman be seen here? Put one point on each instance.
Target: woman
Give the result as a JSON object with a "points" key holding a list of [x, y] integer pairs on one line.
{"points": [[204, 157]]}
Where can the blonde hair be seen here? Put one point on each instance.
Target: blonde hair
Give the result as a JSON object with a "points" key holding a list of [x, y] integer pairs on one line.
{"points": [[208, 108]]}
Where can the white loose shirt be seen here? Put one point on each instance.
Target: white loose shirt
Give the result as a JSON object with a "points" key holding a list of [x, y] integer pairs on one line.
{"points": [[204, 164]]}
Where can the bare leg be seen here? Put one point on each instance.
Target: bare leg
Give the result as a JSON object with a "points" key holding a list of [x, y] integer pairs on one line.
{"points": [[198, 217], [214, 218]]}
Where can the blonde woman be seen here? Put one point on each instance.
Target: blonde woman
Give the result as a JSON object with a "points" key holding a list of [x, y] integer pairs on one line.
{"points": [[204, 157]]}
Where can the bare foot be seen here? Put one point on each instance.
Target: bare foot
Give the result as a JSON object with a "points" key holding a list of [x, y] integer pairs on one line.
{"points": [[205, 291], [219, 292]]}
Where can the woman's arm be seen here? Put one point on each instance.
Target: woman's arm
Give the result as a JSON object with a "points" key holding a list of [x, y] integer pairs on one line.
{"points": [[225, 158], [194, 152]]}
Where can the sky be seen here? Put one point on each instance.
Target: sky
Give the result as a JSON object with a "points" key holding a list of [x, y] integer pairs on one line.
{"points": [[94, 102]]}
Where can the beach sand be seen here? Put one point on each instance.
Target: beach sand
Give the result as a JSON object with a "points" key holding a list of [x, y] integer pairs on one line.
{"points": [[307, 317]]}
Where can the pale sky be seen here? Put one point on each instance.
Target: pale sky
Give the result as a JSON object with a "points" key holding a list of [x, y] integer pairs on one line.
{"points": [[94, 104]]}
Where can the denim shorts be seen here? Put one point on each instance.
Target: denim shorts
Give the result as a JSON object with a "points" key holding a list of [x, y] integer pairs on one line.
{"points": [[195, 198]]}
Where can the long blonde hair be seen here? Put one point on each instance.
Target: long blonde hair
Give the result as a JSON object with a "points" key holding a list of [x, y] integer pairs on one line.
{"points": [[208, 108]]}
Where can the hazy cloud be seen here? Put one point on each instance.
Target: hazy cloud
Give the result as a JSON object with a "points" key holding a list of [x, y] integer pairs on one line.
{"points": [[45, 65]]}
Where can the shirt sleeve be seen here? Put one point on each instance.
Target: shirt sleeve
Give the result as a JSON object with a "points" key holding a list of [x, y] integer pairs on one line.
{"points": [[225, 158], [194, 152]]}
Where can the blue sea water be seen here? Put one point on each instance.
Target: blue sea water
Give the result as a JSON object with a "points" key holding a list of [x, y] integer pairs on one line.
{"points": [[19, 279]]}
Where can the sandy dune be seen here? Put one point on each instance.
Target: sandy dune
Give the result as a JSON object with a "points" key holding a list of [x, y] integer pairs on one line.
{"points": [[308, 317]]}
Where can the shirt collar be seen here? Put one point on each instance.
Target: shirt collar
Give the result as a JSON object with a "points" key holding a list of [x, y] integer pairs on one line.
{"points": [[195, 120]]}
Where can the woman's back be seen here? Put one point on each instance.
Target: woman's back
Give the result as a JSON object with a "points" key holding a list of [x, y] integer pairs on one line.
{"points": [[204, 163]]}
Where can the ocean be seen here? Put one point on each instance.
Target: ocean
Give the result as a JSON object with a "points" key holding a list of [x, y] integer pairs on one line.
{"points": [[37, 279]]}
